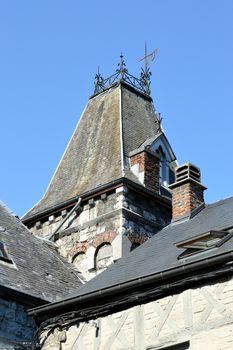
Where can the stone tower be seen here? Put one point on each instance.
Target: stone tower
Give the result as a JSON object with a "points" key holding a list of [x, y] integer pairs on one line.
{"points": [[109, 193]]}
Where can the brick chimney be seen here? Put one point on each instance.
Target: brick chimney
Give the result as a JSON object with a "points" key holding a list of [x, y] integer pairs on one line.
{"points": [[145, 165], [187, 191]]}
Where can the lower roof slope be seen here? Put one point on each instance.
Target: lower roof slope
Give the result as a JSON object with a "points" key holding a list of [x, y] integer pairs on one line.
{"points": [[160, 252], [37, 270]]}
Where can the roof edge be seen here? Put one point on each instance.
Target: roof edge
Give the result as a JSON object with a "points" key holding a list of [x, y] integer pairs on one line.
{"points": [[136, 283], [112, 184], [21, 297], [127, 86]]}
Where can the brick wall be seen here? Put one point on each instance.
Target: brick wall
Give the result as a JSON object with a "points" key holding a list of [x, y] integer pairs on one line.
{"points": [[149, 165], [186, 197]]}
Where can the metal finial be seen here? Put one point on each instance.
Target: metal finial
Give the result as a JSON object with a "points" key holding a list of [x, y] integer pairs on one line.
{"points": [[145, 79], [98, 81], [122, 67], [159, 123]]}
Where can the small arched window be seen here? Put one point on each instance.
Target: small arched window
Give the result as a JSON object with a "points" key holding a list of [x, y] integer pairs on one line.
{"points": [[164, 169], [80, 262], [103, 256]]}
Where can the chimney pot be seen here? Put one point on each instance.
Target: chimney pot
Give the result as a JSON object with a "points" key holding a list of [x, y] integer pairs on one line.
{"points": [[187, 191]]}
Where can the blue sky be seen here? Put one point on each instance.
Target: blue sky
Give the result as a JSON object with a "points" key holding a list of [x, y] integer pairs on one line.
{"points": [[50, 51]]}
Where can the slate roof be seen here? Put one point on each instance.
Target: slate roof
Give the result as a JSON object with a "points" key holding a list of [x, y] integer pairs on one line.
{"points": [[37, 270], [160, 253], [114, 123]]}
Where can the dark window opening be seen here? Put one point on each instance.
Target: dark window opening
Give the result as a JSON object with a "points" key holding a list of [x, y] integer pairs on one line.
{"points": [[4, 255], [134, 246], [181, 346]]}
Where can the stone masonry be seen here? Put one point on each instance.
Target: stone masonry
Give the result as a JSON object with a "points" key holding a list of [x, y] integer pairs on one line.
{"points": [[15, 324], [122, 218]]}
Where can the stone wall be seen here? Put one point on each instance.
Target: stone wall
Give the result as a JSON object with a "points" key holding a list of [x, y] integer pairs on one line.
{"points": [[201, 318], [122, 218], [15, 325]]}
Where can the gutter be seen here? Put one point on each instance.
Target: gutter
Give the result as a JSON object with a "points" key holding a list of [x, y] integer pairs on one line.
{"points": [[133, 284]]}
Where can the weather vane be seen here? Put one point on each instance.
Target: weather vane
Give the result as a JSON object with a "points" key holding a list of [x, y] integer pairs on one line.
{"points": [[148, 58], [146, 73]]}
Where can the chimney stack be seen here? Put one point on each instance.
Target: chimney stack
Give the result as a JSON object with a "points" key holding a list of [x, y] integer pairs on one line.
{"points": [[187, 191]]}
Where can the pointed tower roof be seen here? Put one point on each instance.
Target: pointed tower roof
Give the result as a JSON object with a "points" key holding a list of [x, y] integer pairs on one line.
{"points": [[117, 119]]}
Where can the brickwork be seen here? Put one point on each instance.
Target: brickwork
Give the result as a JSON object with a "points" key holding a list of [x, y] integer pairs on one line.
{"points": [[186, 197], [201, 316], [105, 237], [136, 238], [149, 165], [78, 247]]}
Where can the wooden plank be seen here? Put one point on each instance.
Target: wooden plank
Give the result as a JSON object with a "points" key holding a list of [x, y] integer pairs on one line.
{"points": [[166, 314], [117, 328], [79, 339], [97, 339], [206, 313], [139, 331], [159, 310], [188, 309], [222, 309]]}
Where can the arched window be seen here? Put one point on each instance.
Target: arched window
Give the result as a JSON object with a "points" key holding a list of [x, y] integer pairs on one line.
{"points": [[80, 262], [103, 256], [164, 169]]}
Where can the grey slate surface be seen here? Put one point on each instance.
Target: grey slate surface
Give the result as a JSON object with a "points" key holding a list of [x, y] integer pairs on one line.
{"points": [[160, 253], [93, 157], [38, 270]]}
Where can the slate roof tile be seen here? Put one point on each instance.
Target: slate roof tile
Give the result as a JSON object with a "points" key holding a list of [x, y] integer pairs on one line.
{"points": [[160, 252], [38, 270], [93, 156]]}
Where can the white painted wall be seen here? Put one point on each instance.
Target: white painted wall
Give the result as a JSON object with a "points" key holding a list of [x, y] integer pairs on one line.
{"points": [[202, 316]]}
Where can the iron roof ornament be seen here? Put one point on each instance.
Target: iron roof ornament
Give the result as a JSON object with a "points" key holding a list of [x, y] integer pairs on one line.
{"points": [[122, 70], [145, 79], [142, 84], [99, 81]]}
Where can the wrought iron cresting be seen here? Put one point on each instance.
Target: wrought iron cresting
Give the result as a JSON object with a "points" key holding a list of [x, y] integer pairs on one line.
{"points": [[142, 84]]}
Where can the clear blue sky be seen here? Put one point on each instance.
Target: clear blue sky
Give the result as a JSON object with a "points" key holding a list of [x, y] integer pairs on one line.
{"points": [[50, 51]]}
